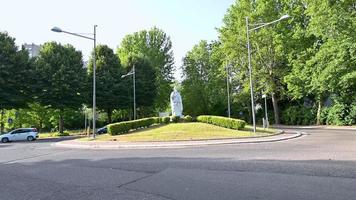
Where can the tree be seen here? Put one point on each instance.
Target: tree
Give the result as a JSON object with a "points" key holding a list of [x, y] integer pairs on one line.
{"points": [[203, 87], [328, 64], [146, 88], [156, 46], [111, 90], [269, 44], [14, 76], [61, 78]]}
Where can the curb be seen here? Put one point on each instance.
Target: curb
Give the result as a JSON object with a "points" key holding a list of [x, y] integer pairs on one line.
{"points": [[280, 136]]}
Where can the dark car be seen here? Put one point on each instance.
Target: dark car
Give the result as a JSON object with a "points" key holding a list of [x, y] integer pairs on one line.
{"points": [[102, 130]]}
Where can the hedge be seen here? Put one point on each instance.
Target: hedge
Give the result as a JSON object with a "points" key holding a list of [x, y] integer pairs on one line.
{"points": [[222, 121], [126, 126]]}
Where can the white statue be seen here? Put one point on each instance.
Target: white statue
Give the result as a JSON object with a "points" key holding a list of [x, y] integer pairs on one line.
{"points": [[176, 103]]}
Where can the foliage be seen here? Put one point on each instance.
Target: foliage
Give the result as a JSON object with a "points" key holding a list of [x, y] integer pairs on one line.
{"points": [[203, 87], [126, 126], [175, 119], [156, 45], [108, 75], [65, 133], [165, 120], [146, 89], [60, 78], [188, 118], [269, 45], [298, 115], [339, 114], [325, 65], [222, 121], [15, 74]]}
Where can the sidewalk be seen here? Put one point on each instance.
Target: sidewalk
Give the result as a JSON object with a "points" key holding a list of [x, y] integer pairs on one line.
{"points": [[176, 144]]}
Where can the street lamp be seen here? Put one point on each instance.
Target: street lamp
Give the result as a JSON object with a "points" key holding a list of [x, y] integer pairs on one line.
{"points": [[258, 26], [133, 73], [59, 30], [228, 89]]}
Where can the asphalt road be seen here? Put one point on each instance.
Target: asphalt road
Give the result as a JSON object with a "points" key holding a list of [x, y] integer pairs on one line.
{"points": [[319, 165]]}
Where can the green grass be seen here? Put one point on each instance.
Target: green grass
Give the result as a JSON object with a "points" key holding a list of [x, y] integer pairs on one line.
{"points": [[184, 131], [43, 135]]}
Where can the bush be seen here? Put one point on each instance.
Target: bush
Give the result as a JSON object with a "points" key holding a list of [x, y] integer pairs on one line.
{"points": [[175, 119], [165, 120], [188, 118], [65, 133], [351, 117], [126, 126], [222, 121], [298, 115]]}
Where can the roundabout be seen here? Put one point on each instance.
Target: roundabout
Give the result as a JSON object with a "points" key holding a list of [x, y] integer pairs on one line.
{"points": [[319, 165]]}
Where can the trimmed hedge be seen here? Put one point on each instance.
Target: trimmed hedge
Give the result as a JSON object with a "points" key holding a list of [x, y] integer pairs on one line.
{"points": [[175, 119], [165, 120], [222, 121], [126, 126], [188, 118]]}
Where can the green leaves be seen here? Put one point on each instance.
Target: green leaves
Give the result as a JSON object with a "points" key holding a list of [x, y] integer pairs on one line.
{"points": [[15, 74], [60, 75], [156, 46]]}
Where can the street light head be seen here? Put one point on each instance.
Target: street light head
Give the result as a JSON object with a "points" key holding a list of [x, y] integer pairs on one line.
{"points": [[56, 29], [284, 17]]}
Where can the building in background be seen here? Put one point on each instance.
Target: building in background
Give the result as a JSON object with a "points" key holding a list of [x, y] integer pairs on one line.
{"points": [[33, 49]]}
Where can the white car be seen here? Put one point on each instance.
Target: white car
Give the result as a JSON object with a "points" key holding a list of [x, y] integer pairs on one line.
{"points": [[29, 134]]}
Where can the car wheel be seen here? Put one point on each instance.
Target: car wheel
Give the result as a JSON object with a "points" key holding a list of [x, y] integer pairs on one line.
{"points": [[4, 140], [30, 138]]}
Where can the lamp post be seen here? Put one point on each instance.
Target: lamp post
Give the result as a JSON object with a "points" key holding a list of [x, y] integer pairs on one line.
{"points": [[258, 26], [58, 30], [266, 116], [133, 73], [228, 89]]}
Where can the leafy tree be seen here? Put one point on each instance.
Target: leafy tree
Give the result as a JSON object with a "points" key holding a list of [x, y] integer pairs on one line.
{"points": [[269, 45], [156, 46], [111, 90], [328, 64], [61, 78], [14, 76], [203, 87], [146, 88]]}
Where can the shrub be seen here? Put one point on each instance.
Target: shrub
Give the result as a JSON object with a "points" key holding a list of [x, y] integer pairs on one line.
{"points": [[57, 134], [351, 117], [188, 118], [175, 119], [126, 126], [222, 121], [298, 115], [165, 120]]}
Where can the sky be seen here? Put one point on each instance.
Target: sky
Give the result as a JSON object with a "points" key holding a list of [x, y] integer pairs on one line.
{"points": [[185, 21]]}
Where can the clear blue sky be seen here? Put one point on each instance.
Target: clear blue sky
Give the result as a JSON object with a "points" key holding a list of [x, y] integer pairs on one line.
{"points": [[185, 21]]}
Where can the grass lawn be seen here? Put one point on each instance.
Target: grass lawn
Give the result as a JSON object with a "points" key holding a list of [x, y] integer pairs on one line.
{"points": [[184, 131], [43, 135]]}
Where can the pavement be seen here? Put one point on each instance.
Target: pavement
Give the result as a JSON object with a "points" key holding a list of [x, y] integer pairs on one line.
{"points": [[320, 165], [280, 136]]}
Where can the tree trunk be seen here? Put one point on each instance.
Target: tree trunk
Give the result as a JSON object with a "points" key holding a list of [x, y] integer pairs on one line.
{"points": [[275, 109], [2, 121], [109, 111], [318, 113], [61, 121]]}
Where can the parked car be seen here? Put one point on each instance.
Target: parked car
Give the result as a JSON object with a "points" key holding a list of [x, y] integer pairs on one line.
{"points": [[29, 134], [102, 130]]}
